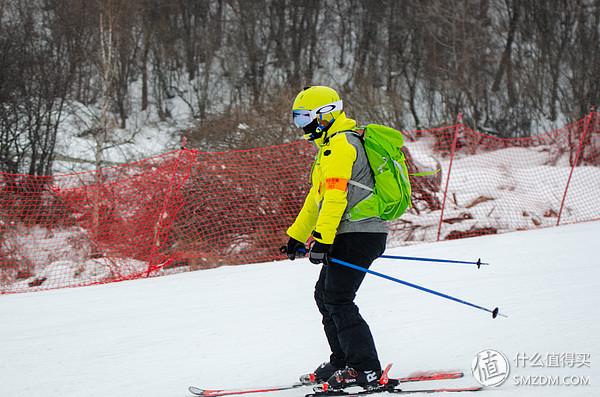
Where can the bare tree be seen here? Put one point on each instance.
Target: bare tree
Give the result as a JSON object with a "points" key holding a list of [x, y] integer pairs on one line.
{"points": [[508, 65], [35, 84]]}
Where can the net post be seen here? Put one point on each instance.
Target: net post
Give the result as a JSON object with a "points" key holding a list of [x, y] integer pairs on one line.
{"points": [[452, 152], [582, 136]]}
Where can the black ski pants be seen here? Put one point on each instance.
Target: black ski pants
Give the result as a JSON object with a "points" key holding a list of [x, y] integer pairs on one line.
{"points": [[347, 332]]}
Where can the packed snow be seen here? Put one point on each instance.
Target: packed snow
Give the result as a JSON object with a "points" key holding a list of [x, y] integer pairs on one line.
{"points": [[257, 325]]}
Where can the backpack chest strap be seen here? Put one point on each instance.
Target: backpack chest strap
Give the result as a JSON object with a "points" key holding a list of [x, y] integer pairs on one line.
{"points": [[360, 185]]}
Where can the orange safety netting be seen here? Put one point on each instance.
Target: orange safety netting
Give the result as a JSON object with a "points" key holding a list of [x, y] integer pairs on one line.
{"points": [[188, 210]]}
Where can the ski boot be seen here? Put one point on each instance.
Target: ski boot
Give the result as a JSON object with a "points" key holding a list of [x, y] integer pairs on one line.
{"points": [[349, 377], [320, 375]]}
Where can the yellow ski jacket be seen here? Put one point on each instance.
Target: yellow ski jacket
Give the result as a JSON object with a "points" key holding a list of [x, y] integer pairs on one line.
{"points": [[338, 161]]}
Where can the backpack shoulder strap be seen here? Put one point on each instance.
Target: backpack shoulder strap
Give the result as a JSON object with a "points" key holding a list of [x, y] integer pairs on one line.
{"points": [[353, 132], [359, 133]]}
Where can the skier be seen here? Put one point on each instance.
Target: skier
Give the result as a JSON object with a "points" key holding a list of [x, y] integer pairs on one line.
{"points": [[339, 176]]}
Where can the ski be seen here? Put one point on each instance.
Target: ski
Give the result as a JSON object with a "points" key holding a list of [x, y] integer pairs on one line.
{"points": [[430, 375], [413, 377], [235, 392], [390, 385], [394, 391], [440, 390]]}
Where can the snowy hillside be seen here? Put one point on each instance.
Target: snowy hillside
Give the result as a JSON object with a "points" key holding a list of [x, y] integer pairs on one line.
{"points": [[257, 324], [506, 190]]}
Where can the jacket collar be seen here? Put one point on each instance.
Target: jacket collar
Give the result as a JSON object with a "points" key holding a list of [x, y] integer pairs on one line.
{"points": [[342, 123]]}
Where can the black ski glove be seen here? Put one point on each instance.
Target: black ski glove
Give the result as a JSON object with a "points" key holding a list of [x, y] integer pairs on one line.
{"points": [[294, 248], [318, 253]]}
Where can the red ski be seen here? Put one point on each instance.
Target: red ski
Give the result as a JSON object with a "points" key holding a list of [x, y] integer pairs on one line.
{"points": [[234, 392], [430, 375], [440, 390], [414, 377], [394, 391]]}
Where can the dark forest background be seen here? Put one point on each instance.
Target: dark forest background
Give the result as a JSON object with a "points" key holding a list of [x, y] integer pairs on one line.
{"points": [[512, 67]]}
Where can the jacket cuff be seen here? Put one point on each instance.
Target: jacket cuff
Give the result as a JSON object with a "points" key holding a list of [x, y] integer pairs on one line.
{"points": [[298, 234], [320, 238]]}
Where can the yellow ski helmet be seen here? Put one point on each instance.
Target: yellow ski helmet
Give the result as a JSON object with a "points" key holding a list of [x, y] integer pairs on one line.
{"points": [[315, 109]]}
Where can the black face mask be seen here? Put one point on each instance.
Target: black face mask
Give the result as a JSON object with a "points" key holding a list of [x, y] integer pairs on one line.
{"points": [[311, 129]]}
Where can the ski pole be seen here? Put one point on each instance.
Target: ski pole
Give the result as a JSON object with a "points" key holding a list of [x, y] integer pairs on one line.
{"points": [[416, 258], [495, 312]]}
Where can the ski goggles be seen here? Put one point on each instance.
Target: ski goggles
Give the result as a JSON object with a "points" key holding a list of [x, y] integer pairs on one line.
{"points": [[302, 117]]}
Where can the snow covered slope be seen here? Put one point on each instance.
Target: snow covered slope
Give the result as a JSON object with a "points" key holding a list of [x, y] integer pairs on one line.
{"points": [[257, 324]]}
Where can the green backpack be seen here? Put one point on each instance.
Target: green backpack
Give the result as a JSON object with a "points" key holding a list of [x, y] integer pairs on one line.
{"points": [[391, 194]]}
